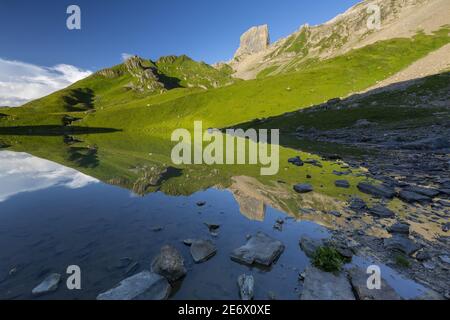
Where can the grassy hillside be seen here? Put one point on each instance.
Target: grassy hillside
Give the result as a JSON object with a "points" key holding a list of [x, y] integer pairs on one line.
{"points": [[106, 99], [262, 98], [132, 81]]}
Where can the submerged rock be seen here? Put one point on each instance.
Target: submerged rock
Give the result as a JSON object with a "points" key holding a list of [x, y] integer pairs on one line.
{"points": [[170, 264], [358, 279], [49, 284], [303, 188], [379, 191], [320, 285], [381, 211], [260, 249], [142, 286], [246, 287], [202, 250]]}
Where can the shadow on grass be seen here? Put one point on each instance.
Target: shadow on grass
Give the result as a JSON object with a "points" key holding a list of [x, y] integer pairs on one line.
{"points": [[51, 130], [390, 104]]}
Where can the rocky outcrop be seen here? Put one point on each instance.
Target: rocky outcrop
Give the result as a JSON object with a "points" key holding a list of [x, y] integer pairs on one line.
{"points": [[254, 40], [146, 76], [345, 32]]}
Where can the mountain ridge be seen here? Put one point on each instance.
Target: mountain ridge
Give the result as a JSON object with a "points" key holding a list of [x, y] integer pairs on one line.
{"points": [[345, 32]]}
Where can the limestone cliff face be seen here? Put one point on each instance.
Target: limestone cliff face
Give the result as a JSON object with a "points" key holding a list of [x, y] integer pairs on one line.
{"points": [[347, 31], [254, 40]]}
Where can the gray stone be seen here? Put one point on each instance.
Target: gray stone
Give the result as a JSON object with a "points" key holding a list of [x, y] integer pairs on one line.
{"points": [[49, 284], [342, 184], [400, 228], [344, 251], [434, 143], [296, 161], [445, 259], [335, 213], [358, 279], [423, 256], [212, 226], [381, 211], [142, 286], [202, 250], [334, 101], [259, 249], [423, 191], [188, 242], [170, 264], [309, 246], [361, 123], [412, 197], [379, 191], [321, 285], [246, 287], [357, 204], [401, 244], [429, 265], [444, 203], [341, 173], [303, 188]]}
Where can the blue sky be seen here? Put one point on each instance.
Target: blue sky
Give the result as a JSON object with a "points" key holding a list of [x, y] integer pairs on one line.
{"points": [[208, 30], [39, 55]]}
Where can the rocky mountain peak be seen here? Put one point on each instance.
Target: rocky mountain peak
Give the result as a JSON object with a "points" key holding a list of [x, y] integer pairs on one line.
{"points": [[254, 40]]}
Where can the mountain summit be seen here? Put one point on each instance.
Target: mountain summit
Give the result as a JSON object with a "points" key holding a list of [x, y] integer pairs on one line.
{"points": [[345, 32], [254, 40]]}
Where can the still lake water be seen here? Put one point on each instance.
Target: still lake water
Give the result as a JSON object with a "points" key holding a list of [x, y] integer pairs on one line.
{"points": [[53, 216]]}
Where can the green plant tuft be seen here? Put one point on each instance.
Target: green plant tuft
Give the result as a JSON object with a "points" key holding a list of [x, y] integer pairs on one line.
{"points": [[327, 259], [402, 261]]}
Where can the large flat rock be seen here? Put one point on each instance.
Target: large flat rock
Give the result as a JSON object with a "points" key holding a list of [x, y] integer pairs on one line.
{"points": [[259, 249], [142, 286], [412, 197], [402, 244], [320, 285], [379, 191], [358, 279], [202, 250]]}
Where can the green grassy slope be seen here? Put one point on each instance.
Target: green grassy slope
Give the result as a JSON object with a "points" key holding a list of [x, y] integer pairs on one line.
{"points": [[261, 98], [158, 114]]}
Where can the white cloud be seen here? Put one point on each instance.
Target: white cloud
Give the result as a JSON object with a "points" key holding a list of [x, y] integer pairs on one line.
{"points": [[126, 56], [22, 172], [21, 82]]}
